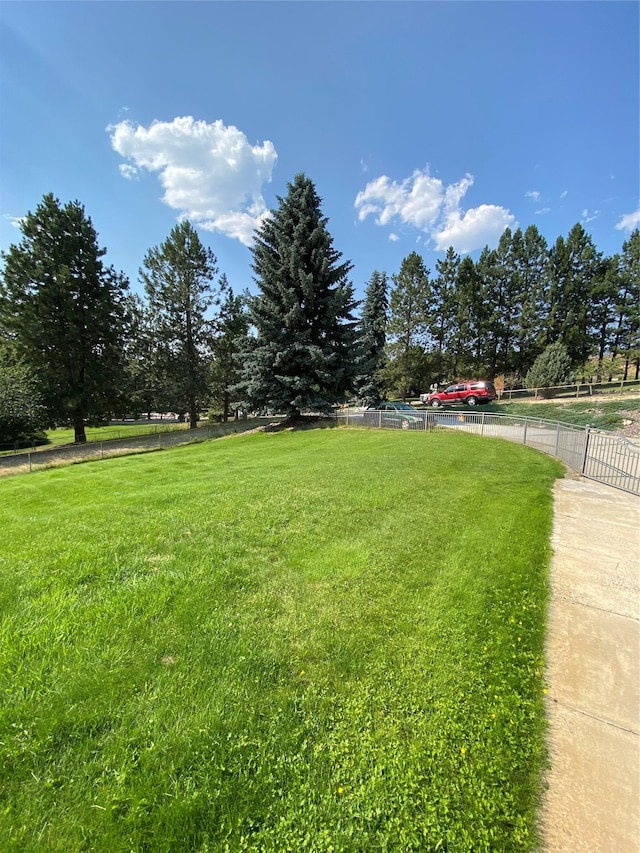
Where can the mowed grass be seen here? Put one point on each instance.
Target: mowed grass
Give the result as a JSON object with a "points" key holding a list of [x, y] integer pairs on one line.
{"points": [[66, 435], [326, 640]]}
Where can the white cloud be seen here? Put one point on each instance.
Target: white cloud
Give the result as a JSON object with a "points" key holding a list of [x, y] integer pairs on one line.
{"points": [[393, 237], [128, 171], [629, 221], [542, 211], [15, 221], [589, 217], [210, 173], [533, 194], [424, 202], [474, 229], [416, 200], [564, 193]]}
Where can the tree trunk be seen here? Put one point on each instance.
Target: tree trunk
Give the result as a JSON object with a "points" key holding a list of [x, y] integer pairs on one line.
{"points": [[193, 414], [78, 428]]}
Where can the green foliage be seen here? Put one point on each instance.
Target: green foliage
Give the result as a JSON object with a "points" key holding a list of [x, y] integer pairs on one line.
{"points": [[441, 317], [228, 340], [407, 328], [628, 337], [177, 277], [371, 341], [22, 414], [143, 389], [276, 643], [575, 270], [302, 355], [65, 311], [551, 368]]}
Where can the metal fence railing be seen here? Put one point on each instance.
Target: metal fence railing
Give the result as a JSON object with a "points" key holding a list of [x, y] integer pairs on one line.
{"points": [[598, 455], [23, 461]]}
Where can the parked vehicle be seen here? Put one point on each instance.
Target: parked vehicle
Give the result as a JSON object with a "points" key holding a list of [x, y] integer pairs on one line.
{"points": [[398, 415], [473, 393]]}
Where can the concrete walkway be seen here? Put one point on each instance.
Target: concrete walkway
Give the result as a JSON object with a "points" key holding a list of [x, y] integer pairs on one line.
{"points": [[592, 802]]}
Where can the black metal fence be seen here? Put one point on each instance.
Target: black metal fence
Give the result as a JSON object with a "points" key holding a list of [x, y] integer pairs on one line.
{"points": [[23, 461]]}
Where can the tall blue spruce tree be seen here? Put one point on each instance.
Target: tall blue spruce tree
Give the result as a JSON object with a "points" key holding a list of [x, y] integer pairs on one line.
{"points": [[302, 357]]}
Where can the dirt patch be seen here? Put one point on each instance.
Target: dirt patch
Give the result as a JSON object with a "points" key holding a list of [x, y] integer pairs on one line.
{"points": [[631, 428]]}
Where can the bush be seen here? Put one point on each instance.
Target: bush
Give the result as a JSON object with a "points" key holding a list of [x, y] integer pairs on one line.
{"points": [[551, 368], [22, 415]]}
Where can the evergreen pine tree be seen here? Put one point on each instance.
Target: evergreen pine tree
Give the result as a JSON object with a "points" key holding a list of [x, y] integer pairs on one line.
{"points": [[575, 271], [66, 313], [372, 339], [177, 277], [629, 308], [464, 340], [303, 356], [230, 330], [530, 262], [551, 368], [441, 320], [407, 329]]}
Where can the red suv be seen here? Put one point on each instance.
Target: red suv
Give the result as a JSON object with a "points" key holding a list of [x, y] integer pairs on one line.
{"points": [[471, 393]]}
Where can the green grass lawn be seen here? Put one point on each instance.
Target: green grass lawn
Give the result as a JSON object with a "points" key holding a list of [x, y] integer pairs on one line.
{"points": [[327, 640], [66, 435]]}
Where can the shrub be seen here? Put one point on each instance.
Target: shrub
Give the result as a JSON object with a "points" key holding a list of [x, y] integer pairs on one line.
{"points": [[551, 368], [22, 415]]}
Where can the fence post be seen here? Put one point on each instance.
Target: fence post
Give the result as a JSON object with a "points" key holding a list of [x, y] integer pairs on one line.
{"points": [[482, 423], [586, 449], [29, 461], [524, 437]]}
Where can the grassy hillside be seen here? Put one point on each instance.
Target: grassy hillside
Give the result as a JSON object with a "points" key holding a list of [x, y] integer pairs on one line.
{"points": [[325, 640], [610, 412]]}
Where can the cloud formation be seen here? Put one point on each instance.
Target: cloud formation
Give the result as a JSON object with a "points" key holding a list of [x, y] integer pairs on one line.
{"points": [[629, 221], [424, 202], [588, 216], [15, 221], [210, 173]]}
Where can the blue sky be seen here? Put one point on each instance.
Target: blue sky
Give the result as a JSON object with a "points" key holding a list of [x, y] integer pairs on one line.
{"points": [[422, 124]]}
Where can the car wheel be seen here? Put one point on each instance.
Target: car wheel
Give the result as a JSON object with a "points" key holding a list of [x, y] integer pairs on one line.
{"points": [[405, 424], [472, 401], [435, 403]]}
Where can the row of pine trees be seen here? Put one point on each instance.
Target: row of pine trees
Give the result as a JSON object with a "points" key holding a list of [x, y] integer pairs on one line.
{"points": [[78, 346], [495, 316]]}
